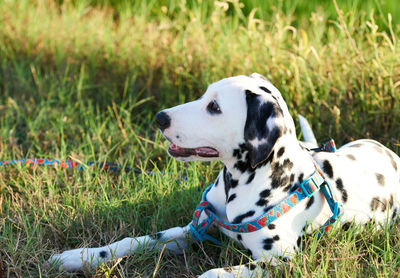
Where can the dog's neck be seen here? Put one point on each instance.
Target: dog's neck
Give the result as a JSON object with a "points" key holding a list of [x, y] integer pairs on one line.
{"points": [[288, 165], [287, 149]]}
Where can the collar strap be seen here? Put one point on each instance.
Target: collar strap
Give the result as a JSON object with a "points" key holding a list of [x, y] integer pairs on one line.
{"points": [[306, 189]]}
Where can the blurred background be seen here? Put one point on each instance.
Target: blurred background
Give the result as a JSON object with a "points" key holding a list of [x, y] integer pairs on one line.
{"points": [[62, 59]]}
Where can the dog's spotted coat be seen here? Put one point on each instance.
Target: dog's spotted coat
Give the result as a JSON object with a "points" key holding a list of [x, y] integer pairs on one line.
{"points": [[244, 122]]}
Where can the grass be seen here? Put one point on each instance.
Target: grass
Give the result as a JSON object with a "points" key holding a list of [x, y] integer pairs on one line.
{"points": [[83, 80]]}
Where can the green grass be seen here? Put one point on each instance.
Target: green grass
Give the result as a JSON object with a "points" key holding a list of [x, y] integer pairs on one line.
{"points": [[83, 80]]}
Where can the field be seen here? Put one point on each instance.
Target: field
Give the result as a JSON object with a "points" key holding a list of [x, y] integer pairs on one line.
{"points": [[83, 80]]}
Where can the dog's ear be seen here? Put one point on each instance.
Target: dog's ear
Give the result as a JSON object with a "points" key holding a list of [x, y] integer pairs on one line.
{"points": [[262, 128]]}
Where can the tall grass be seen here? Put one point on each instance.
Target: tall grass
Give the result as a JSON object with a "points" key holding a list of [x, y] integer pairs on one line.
{"points": [[83, 79], [172, 57]]}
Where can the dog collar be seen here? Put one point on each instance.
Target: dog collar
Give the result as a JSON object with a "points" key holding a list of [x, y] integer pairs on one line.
{"points": [[306, 189]]}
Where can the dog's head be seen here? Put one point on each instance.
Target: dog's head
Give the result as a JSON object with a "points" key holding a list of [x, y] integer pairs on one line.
{"points": [[245, 112]]}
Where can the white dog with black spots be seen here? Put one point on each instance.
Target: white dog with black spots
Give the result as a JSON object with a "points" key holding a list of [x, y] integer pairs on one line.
{"points": [[244, 122]]}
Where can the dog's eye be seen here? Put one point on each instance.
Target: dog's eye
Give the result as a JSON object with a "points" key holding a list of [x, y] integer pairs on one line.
{"points": [[213, 108]]}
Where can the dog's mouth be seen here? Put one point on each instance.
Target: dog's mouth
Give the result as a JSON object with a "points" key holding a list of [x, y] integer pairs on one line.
{"points": [[177, 151]]}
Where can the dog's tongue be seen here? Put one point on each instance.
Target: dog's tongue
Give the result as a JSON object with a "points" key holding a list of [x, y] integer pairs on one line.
{"points": [[175, 150]]}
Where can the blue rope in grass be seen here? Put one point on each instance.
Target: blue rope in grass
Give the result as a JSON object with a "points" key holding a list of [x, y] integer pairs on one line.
{"points": [[70, 164]]}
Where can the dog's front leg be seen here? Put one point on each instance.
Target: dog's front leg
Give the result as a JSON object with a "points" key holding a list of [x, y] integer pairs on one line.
{"points": [[175, 240], [251, 270]]}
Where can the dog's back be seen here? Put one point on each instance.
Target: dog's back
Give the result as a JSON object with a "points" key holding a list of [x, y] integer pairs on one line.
{"points": [[367, 177]]}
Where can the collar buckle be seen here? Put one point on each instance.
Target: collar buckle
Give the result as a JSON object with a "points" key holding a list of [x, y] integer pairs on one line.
{"points": [[312, 184]]}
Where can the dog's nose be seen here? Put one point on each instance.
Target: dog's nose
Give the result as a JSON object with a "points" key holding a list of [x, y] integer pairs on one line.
{"points": [[163, 120]]}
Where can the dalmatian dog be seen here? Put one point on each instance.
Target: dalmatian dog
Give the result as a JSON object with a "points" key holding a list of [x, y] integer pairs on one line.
{"points": [[244, 122]]}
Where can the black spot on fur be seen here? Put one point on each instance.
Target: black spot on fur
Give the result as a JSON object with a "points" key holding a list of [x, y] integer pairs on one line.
{"points": [[346, 226], [239, 218], [287, 164], [216, 182], [251, 177], [243, 163], [265, 90], [268, 242], [283, 181], [276, 99], [271, 226], [340, 187], [394, 214], [310, 202], [262, 202], [263, 265], [103, 254], [350, 156], [381, 179], [156, 236], [232, 197], [300, 178], [383, 205], [277, 177], [287, 187], [296, 185], [242, 166], [234, 183], [265, 193], [228, 269], [290, 186], [304, 148], [280, 152], [239, 237], [237, 153], [299, 240], [375, 203], [251, 266], [327, 168], [227, 181], [277, 170], [391, 201], [356, 145]]}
